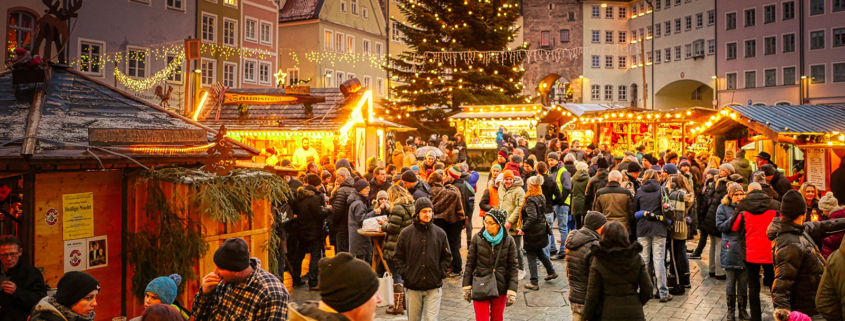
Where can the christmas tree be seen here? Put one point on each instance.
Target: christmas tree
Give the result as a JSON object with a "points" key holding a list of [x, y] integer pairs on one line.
{"points": [[460, 55]]}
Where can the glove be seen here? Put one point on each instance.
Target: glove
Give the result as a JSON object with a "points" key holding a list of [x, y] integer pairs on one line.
{"points": [[511, 298], [689, 220], [468, 293]]}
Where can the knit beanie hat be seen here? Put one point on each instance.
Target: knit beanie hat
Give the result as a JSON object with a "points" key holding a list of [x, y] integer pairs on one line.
{"points": [[759, 177], [581, 166], [535, 180], [713, 171], [554, 156], [326, 174], [828, 202], [684, 163], [421, 203], [634, 167], [516, 159], [503, 154], [657, 168], [498, 215], [793, 205], [507, 174], [651, 159], [428, 172], [733, 187], [381, 194], [594, 220], [736, 178], [768, 169], [361, 185], [415, 168], [345, 282], [591, 146], [496, 166], [728, 168], [165, 287], [313, 180], [670, 169], [530, 162], [602, 162], [233, 255], [409, 176], [397, 178], [430, 153], [438, 171], [454, 172], [74, 286]]}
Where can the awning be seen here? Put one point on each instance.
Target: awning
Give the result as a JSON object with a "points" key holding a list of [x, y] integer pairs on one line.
{"points": [[389, 125], [508, 114], [773, 121], [582, 109]]}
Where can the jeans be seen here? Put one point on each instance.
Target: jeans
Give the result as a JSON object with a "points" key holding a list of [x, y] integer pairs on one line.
{"points": [[397, 279], [315, 248], [716, 255], [423, 305], [737, 282], [532, 264], [342, 240], [453, 234], [654, 247], [577, 311], [702, 242], [562, 215], [490, 310], [517, 239], [753, 270], [550, 218]]}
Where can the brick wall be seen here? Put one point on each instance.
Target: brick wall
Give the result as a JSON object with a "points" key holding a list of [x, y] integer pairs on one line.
{"points": [[553, 16]]}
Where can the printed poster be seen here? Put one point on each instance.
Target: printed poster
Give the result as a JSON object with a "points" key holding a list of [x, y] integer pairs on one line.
{"points": [[78, 215], [75, 255], [97, 252], [815, 168]]}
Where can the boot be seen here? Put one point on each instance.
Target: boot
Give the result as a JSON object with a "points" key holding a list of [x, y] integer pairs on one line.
{"points": [[742, 303], [398, 306], [731, 308]]}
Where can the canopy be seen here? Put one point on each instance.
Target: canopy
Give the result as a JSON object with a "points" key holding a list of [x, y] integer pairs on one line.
{"points": [[773, 121], [581, 109]]}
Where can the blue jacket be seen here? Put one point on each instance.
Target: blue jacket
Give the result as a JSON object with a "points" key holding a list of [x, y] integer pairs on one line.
{"points": [[650, 199], [733, 243]]}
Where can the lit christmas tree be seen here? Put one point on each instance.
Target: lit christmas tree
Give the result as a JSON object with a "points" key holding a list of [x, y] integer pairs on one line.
{"points": [[460, 55]]}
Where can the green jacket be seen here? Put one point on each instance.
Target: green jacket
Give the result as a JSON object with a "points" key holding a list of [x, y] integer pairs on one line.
{"points": [[830, 298], [401, 216]]}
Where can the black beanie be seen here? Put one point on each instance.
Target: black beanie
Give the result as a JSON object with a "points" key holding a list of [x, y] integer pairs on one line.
{"points": [[409, 176], [422, 203], [591, 146], [793, 205], [529, 162], [634, 167], [360, 185], [650, 159], [768, 169], [233, 255], [345, 282], [313, 180], [602, 162], [74, 286]]}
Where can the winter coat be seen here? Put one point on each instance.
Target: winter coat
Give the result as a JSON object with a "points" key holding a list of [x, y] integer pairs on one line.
{"points": [[611, 160], [708, 224], [733, 242], [397, 158], [551, 191], [525, 150], [312, 311], [593, 170], [742, 167], [798, 263], [837, 181], [340, 205], [814, 205], [448, 205], [358, 212], [579, 154], [539, 151], [489, 200], [831, 243], [830, 299], [756, 212], [564, 184], [628, 178], [594, 185], [616, 203], [510, 201], [570, 166], [780, 184], [650, 198], [409, 160], [420, 190], [619, 284], [579, 188], [401, 216], [47, 309], [678, 216], [461, 147], [30, 289], [770, 191], [481, 256], [311, 214], [375, 187], [579, 253], [704, 198], [467, 193], [422, 256], [534, 223], [526, 176]]}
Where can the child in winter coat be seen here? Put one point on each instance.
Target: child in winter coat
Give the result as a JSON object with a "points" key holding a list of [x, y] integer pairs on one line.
{"points": [[733, 253]]}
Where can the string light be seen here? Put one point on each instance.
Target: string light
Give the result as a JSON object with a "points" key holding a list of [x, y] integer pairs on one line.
{"points": [[165, 150], [147, 83]]}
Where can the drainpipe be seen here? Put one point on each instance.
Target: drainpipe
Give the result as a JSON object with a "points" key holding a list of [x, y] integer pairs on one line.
{"points": [[716, 54], [801, 53], [653, 63]]}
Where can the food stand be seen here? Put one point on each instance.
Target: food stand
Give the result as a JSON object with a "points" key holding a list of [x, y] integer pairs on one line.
{"points": [[480, 123]]}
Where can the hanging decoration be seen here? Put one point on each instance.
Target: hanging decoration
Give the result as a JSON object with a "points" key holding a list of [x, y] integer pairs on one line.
{"points": [[147, 83]]}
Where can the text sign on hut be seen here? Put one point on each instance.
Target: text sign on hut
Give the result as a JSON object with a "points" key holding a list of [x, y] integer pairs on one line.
{"points": [[112, 137], [237, 99]]}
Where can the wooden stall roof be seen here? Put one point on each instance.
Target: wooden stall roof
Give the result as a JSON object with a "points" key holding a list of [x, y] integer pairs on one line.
{"points": [[329, 113], [505, 114], [586, 109], [773, 121], [50, 121]]}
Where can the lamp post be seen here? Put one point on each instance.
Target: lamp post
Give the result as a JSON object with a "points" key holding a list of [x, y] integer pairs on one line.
{"points": [[801, 95], [581, 77], [716, 91]]}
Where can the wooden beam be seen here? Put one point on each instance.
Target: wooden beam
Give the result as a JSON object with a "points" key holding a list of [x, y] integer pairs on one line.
{"points": [[236, 234], [33, 120]]}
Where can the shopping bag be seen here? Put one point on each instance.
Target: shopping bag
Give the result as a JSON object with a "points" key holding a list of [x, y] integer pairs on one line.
{"points": [[371, 224], [385, 290]]}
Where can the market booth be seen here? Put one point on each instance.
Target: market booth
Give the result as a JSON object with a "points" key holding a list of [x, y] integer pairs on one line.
{"points": [[480, 123], [108, 184]]}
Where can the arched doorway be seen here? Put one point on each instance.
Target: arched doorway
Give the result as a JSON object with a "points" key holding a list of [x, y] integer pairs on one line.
{"points": [[554, 89], [684, 93]]}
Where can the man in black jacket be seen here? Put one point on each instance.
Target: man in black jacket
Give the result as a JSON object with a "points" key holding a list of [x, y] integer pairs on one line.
{"points": [[422, 257], [776, 180], [340, 209], [307, 230], [415, 187], [578, 256], [22, 285], [454, 176], [378, 183], [596, 183]]}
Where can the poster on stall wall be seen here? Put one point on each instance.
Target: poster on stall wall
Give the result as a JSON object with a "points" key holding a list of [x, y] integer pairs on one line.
{"points": [[730, 146], [75, 255], [78, 215], [97, 252], [815, 168]]}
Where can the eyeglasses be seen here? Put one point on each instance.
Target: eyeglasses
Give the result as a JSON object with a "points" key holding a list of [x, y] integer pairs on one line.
{"points": [[9, 255]]}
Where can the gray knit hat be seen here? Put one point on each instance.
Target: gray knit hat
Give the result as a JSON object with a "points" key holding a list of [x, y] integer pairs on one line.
{"points": [[759, 177], [828, 202], [728, 168], [594, 220]]}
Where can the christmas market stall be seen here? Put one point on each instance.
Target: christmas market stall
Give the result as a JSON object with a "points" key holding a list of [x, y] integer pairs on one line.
{"points": [[480, 124], [103, 182]]}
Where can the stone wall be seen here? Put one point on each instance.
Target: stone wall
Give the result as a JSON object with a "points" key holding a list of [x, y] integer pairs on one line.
{"points": [[553, 16]]}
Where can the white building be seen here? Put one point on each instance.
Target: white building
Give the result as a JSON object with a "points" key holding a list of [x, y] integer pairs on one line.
{"points": [[678, 56]]}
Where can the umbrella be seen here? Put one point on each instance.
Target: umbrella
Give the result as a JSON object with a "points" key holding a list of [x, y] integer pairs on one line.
{"points": [[424, 150]]}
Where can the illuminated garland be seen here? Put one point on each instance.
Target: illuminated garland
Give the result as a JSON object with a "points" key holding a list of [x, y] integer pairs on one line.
{"points": [[147, 83], [165, 150], [331, 57]]}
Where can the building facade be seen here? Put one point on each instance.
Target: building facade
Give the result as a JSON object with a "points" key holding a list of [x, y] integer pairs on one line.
{"points": [[258, 19], [324, 43], [781, 53], [550, 24]]}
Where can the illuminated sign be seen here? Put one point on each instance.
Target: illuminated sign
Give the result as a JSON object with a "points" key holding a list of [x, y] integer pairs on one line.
{"points": [[236, 99]]}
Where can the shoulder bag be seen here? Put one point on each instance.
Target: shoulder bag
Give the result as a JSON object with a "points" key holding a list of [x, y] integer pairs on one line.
{"points": [[485, 287]]}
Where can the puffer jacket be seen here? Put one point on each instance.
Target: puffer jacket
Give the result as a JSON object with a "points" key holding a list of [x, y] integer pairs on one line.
{"points": [[467, 193], [594, 185], [832, 243], [798, 264], [534, 223], [340, 205], [619, 284], [420, 190], [708, 188], [397, 156], [579, 189], [830, 299], [401, 216], [570, 166], [615, 202], [310, 214], [780, 184], [481, 256], [448, 205], [650, 198], [49, 310], [708, 225], [310, 311], [742, 167], [510, 201], [422, 256], [358, 212], [733, 242], [755, 212], [551, 192], [539, 151], [579, 253]]}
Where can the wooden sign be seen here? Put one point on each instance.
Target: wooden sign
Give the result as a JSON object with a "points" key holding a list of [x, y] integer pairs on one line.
{"points": [[111, 137], [237, 99], [192, 49], [298, 90]]}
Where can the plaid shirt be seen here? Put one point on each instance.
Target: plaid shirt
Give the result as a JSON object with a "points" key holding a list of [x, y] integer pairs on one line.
{"points": [[260, 297]]}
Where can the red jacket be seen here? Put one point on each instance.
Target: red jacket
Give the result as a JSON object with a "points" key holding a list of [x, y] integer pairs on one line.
{"points": [[757, 244]]}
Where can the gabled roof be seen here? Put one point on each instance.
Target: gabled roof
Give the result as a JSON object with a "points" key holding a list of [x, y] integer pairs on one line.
{"points": [[774, 121], [295, 10]]}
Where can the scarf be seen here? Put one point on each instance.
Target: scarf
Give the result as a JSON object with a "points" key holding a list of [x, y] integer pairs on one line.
{"points": [[67, 312], [494, 240]]}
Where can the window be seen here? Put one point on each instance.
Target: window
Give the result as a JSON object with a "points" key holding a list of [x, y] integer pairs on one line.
{"points": [[668, 55], [711, 17], [608, 36], [571, 16], [595, 91], [594, 62], [249, 71], [677, 3], [327, 40], [633, 35], [668, 28], [379, 47], [623, 13], [817, 39], [634, 61], [175, 5], [249, 29], [657, 56], [293, 77], [730, 21], [642, 8], [751, 48], [608, 62], [623, 37], [229, 74], [699, 20], [343, 6], [207, 73], [750, 79], [839, 37], [657, 30], [771, 76], [816, 7], [176, 75], [544, 39], [365, 13], [266, 33], [264, 73], [634, 10], [696, 94], [396, 35], [730, 81], [648, 56], [350, 44], [340, 77], [817, 74], [730, 51], [564, 35], [698, 48], [623, 93], [380, 85], [350, 76], [89, 57], [750, 17], [366, 47], [711, 47], [623, 62], [650, 32], [838, 71], [136, 63], [230, 29], [838, 5], [668, 4], [19, 32], [595, 36], [208, 26], [233, 3], [338, 42], [769, 14], [608, 12], [368, 82], [678, 25], [789, 42], [353, 4], [788, 10], [688, 51], [678, 53], [657, 5], [771, 45], [688, 23], [596, 12], [328, 78], [608, 92], [789, 75]]}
